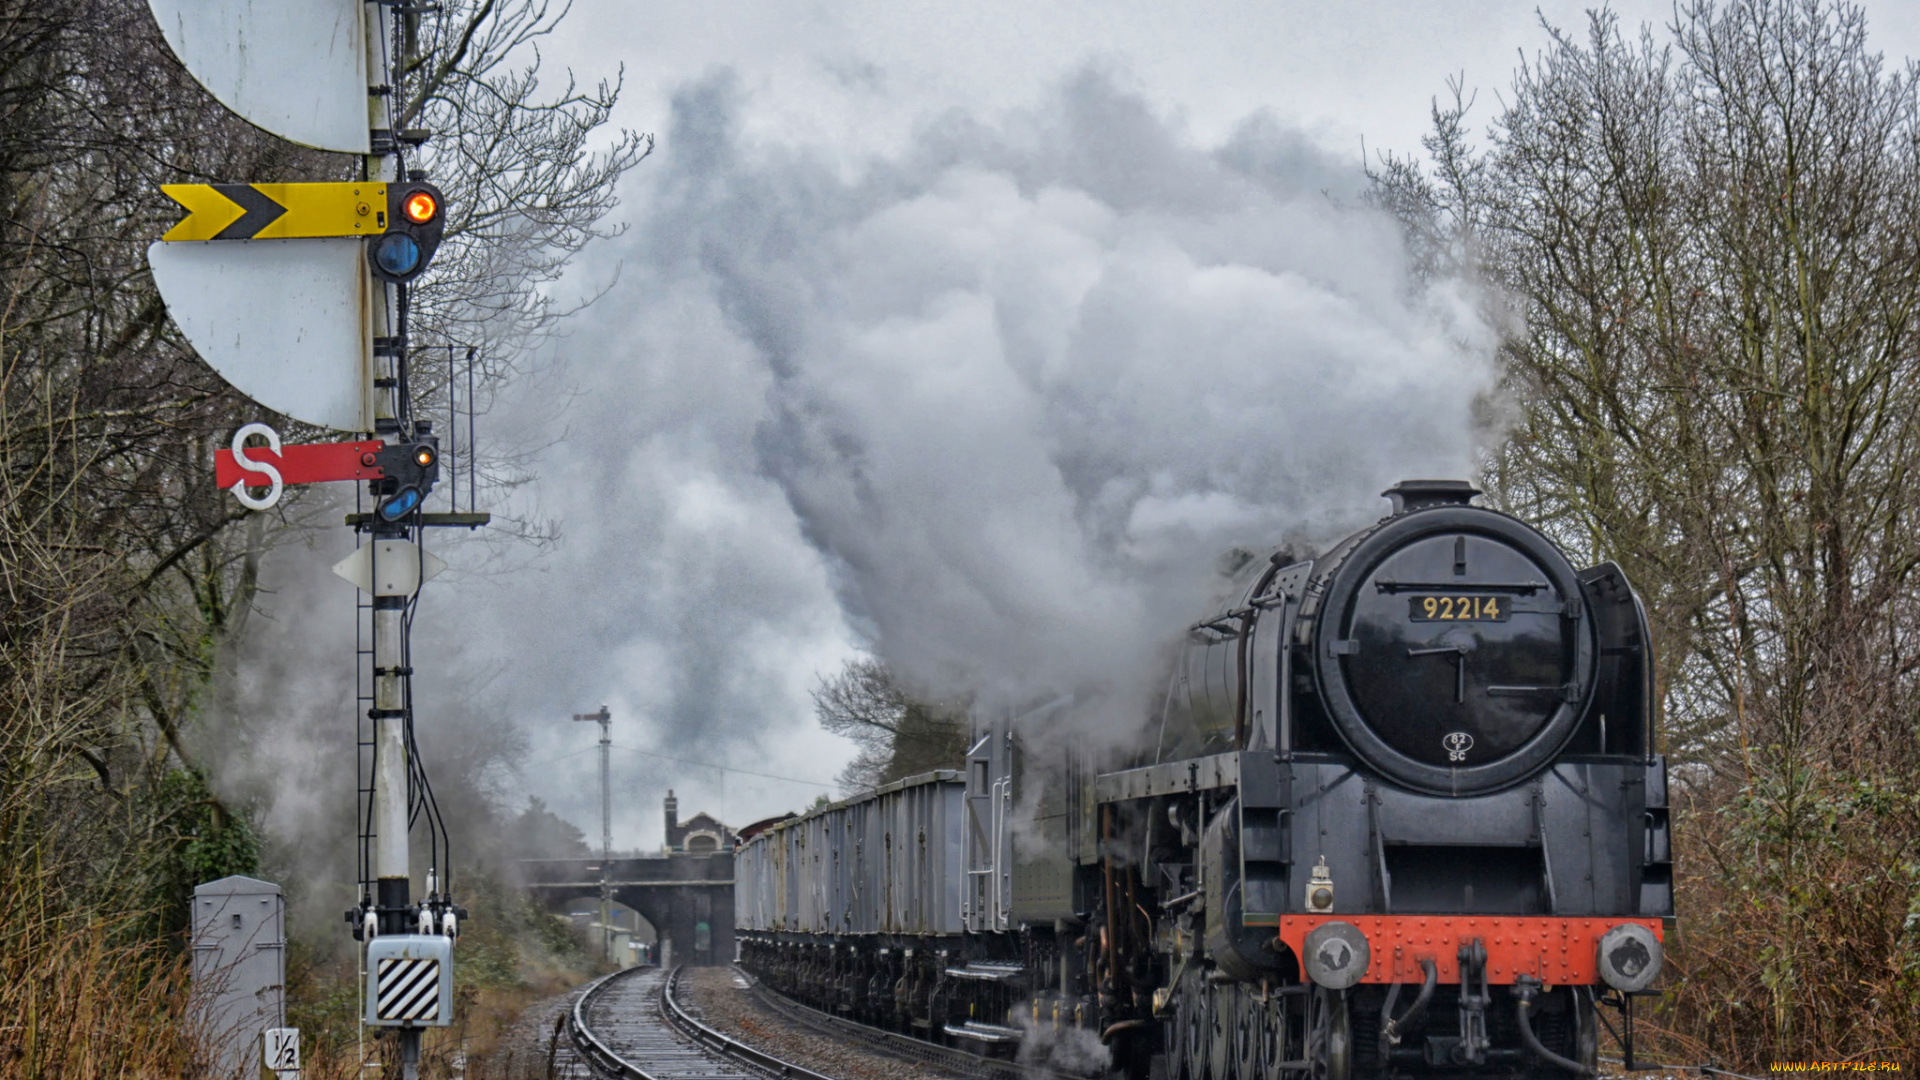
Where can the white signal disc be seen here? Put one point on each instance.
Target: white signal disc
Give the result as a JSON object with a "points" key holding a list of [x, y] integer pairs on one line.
{"points": [[286, 322], [297, 68]]}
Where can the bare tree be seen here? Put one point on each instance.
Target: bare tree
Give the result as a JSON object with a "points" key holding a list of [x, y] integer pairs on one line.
{"points": [[530, 171], [898, 735], [527, 186], [1704, 248], [123, 572]]}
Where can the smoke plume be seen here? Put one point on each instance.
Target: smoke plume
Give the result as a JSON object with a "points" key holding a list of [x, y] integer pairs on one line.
{"points": [[1020, 385], [990, 406]]}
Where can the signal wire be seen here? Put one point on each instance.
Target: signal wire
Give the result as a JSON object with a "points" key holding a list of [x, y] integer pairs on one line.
{"points": [[686, 761], [722, 768]]}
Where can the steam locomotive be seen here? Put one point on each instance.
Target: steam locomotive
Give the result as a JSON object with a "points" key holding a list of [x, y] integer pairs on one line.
{"points": [[1400, 812]]}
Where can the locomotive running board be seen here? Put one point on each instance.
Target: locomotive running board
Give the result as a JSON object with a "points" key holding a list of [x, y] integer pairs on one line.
{"points": [[1172, 778], [1254, 772], [1262, 851]]}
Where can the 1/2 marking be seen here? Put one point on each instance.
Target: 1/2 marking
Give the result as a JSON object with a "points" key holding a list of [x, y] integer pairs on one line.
{"points": [[280, 1051]]}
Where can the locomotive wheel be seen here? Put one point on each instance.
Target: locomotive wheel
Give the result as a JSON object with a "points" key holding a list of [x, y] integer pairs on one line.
{"points": [[1193, 1029], [1177, 1037], [1276, 1044], [1220, 1014], [1247, 1026], [1199, 1026], [1329, 1039]]}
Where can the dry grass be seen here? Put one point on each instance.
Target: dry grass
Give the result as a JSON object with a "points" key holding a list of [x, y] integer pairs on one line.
{"points": [[82, 997], [513, 958], [489, 1041]]}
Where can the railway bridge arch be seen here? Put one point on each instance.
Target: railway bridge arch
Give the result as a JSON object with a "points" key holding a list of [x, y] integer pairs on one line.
{"points": [[688, 897]]}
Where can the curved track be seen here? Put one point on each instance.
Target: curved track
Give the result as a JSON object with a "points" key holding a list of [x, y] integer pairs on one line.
{"points": [[628, 1026], [893, 1043]]}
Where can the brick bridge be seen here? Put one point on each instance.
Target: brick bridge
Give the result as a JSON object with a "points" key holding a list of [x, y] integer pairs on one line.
{"points": [[688, 897]]}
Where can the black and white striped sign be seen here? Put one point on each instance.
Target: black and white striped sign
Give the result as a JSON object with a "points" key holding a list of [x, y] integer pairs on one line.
{"points": [[408, 990]]}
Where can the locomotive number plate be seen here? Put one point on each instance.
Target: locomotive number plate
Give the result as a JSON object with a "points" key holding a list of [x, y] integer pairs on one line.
{"points": [[1459, 608]]}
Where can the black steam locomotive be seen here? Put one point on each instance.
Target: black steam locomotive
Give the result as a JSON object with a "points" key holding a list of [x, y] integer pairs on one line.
{"points": [[1404, 815]]}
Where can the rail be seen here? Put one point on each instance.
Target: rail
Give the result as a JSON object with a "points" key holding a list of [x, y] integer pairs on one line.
{"points": [[599, 1057], [732, 1048]]}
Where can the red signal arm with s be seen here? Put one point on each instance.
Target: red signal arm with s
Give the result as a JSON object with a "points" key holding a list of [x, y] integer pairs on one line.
{"points": [[311, 463]]}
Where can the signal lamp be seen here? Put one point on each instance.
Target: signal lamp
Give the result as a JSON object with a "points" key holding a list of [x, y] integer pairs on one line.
{"points": [[421, 207], [416, 218], [1319, 898], [410, 469], [397, 255], [402, 504]]}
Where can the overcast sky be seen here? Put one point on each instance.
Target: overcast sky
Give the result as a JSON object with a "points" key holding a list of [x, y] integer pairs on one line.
{"points": [[971, 333], [849, 75]]}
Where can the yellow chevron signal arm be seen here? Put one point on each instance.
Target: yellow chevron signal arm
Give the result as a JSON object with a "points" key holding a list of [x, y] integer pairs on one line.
{"points": [[278, 211]]}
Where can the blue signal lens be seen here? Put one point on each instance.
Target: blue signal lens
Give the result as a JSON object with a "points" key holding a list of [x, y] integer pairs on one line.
{"points": [[397, 254], [401, 504]]}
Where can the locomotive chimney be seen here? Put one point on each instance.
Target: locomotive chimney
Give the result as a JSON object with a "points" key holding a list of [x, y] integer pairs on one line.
{"points": [[1408, 495]]}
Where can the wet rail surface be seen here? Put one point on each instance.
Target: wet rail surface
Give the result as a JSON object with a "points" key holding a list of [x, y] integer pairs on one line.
{"points": [[628, 1026]]}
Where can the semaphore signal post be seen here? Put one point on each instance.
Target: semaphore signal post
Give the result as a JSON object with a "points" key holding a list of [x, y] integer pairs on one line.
{"points": [[296, 293]]}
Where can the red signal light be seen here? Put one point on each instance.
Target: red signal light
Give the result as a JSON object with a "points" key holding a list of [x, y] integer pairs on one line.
{"points": [[416, 220], [420, 207]]}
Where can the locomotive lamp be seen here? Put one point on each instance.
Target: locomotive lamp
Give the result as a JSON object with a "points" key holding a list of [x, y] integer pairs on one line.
{"points": [[1320, 889]]}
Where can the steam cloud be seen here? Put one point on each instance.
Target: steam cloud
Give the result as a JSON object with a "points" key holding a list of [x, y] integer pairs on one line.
{"points": [[1022, 384], [991, 406]]}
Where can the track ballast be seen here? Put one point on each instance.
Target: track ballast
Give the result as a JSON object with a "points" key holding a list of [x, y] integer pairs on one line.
{"points": [[628, 1026]]}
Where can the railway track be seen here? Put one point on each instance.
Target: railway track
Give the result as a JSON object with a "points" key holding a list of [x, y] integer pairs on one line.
{"points": [[631, 1026], [894, 1044], [628, 1026]]}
